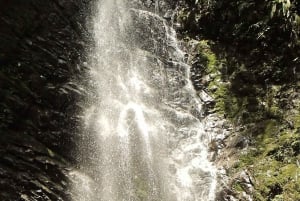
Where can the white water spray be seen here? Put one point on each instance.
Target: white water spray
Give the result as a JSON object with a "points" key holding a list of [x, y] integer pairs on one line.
{"points": [[142, 137]]}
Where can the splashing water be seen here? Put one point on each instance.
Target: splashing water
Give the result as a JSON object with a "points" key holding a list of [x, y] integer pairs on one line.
{"points": [[143, 139]]}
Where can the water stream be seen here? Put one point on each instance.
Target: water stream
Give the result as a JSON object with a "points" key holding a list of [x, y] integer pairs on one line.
{"points": [[143, 136]]}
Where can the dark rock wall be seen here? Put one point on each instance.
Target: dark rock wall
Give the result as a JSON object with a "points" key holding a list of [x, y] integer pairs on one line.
{"points": [[263, 36], [41, 47]]}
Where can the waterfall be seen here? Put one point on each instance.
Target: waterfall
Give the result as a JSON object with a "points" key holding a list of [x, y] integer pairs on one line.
{"points": [[142, 138]]}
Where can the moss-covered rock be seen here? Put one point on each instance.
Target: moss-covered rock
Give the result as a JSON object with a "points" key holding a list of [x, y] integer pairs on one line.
{"points": [[267, 120]]}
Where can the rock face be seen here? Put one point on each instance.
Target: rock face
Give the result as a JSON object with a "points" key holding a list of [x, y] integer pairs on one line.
{"points": [[246, 56], [41, 46]]}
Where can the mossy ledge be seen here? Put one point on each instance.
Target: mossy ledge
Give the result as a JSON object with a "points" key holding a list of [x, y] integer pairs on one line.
{"points": [[248, 60], [266, 141]]}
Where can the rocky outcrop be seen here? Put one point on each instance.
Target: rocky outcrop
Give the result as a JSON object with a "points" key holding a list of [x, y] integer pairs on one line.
{"points": [[246, 58], [41, 47]]}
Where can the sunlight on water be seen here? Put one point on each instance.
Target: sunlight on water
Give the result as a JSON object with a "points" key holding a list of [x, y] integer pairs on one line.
{"points": [[142, 137]]}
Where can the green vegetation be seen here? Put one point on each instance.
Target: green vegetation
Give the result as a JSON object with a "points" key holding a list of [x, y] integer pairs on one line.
{"points": [[274, 159], [274, 163], [251, 51], [203, 48]]}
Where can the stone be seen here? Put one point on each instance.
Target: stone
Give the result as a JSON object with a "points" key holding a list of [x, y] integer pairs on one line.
{"points": [[41, 41]]}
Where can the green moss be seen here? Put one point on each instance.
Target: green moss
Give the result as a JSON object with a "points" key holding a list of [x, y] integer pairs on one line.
{"points": [[273, 161], [272, 107], [273, 178], [274, 164], [205, 50], [269, 132], [246, 159], [296, 120], [237, 187], [289, 172], [284, 136], [227, 104], [234, 107], [219, 96], [275, 111]]}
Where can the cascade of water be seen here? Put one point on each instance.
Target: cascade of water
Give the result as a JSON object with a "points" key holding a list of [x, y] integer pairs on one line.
{"points": [[144, 139], [156, 6]]}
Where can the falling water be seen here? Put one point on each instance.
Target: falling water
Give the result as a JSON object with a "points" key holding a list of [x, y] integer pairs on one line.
{"points": [[143, 138]]}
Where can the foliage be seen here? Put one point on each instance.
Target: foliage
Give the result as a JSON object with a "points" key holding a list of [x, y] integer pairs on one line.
{"points": [[256, 67]]}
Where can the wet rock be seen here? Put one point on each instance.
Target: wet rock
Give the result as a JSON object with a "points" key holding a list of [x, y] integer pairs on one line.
{"points": [[246, 180], [207, 99], [168, 15], [240, 142]]}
